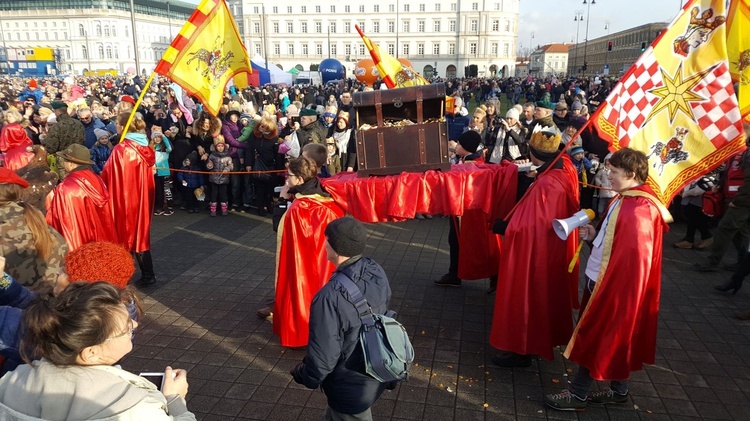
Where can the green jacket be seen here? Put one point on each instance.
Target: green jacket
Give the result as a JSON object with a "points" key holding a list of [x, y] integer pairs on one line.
{"points": [[64, 133]]}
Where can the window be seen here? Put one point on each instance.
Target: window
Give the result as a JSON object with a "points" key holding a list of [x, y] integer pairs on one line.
{"points": [[127, 32], [421, 7], [436, 26], [304, 9], [436, 49], [117, 52], [256, 10], [493, 49], [81, 30], [420, 49], [348, 49], [289, 9], [275, 27], [54, 25], [84, 52], [304, 49], [376, 27], [290, 49], [507, 26], [406, 7], [391, 49], [256, 27], [495, 25], [317, 9], [277, 49], [453, 7], [101, 51], [361, 25], [453, 26], [391, 26], [319, 49], [275, 9], [290, 27], [506, 49], [332, 27], [474, 25], [361, 8], [333, 9], [303, 27], [406, 26], [257, 49], [475, 6], [106, 31], [347, 9], [405, 49], [472, 48], [437, 7], [391, 8], [98, 30], [109, 51], [318, 27], [55, 35], [376, 8], [361, 49], [333, 48], [65, 35], [420, 26], [347, 27], [497, 7], [114, 32], [452, 48], [130, 53]]}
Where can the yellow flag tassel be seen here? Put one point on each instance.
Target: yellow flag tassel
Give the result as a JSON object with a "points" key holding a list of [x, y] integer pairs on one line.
{"points": [[575, 258]]}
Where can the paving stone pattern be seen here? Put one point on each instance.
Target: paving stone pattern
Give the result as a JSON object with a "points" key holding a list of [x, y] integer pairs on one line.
{"points": [[214, 273]]}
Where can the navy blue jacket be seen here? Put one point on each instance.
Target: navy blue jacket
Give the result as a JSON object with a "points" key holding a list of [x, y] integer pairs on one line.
{"points": [[334, 358]]}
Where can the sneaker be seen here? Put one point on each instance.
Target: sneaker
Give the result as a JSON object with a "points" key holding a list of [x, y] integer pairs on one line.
{"points": [[704, 244], [168, 212], [608, 396], [159, 212], [684, 244], [565, 401], [448, 281]]}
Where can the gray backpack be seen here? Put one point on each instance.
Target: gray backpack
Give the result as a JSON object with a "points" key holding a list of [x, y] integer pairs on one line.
{"points": [[386, 347]]}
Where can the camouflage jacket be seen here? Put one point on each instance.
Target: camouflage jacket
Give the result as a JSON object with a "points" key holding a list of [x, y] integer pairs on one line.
{"points": [[312, 133], [64, 133], [17, 246]]}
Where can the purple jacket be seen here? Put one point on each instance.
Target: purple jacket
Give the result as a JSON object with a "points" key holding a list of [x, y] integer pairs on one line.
{"points": [[231, 133]]}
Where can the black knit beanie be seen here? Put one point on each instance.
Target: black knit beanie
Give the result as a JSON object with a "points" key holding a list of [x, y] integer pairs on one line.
{"points": [[347, 236]]}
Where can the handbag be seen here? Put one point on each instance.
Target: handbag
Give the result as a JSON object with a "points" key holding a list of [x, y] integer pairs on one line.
{"points": [[262, 177]]}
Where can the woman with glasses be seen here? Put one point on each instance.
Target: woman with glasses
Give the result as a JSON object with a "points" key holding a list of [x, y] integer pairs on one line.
{"points": [[302, 265], [79, 336]]}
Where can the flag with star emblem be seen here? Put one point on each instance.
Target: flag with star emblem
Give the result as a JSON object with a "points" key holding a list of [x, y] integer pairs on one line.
{"points": [[738, 48], [677, 103], [206, 54]]}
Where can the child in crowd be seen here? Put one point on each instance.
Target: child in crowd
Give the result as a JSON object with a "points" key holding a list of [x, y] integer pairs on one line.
{"points": [[601, 179], [318, 153], [101, 150], [334, 160], [190, 181], [583, 167], [219, 163], [160, 144]]}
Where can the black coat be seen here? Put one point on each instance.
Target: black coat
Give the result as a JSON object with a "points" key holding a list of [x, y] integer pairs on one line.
{"points": [[334, 359]]}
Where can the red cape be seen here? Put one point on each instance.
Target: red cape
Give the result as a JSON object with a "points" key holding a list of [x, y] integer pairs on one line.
{"points": [[302, 267], [79, 210], [535, 293], [617, 332], [478, 247], [129, 177], [13, 143]]}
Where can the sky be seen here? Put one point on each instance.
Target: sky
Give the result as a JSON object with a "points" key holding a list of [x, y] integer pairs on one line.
{"points": [[553, 20]]}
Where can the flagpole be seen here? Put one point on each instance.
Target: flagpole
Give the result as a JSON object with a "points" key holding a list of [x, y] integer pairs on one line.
{"points": [[137, 104]]}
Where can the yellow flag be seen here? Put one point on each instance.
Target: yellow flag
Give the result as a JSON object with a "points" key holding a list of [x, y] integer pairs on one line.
{"points": [[394, 73], [206, 54], [738, 48]]}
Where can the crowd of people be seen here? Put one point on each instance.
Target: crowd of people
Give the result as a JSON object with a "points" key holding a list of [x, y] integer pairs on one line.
{"points": [[83, 170]]}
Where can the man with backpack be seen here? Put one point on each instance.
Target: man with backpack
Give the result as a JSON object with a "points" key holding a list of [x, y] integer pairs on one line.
{"points": [[334, 355]]}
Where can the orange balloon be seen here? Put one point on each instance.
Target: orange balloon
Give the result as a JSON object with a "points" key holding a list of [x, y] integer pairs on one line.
{"points": [[366, 72], [405, 62]]}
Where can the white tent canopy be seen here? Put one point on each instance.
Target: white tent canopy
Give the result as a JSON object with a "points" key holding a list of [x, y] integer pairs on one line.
{"points": [[277, 75]]}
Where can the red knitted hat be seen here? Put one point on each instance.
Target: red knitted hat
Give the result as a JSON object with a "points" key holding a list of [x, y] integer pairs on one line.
{"points": [[100, 261]]}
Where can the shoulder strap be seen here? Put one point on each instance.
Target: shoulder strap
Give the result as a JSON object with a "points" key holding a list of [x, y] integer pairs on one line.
{"points": [[355, 295]]}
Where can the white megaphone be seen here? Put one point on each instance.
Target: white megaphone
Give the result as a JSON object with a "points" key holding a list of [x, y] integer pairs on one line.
{"points": [[563, 227]]}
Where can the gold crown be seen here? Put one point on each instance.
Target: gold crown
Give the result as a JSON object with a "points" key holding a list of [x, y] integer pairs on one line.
{"points": [[545, 139]]}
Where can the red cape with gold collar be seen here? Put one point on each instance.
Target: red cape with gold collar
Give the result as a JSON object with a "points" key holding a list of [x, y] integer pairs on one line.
{"points": [[129, 177], [79, 210], [13, 143], [535, 293], [302, 266], [616, 333]]}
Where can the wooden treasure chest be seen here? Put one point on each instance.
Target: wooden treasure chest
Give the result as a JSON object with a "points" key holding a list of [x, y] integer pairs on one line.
{"points": [[401, 130]]}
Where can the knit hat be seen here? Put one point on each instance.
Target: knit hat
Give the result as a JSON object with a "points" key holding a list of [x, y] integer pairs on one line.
{"points": [[292, 111], [192, 157], [576, 105], [577, 122], [347, 236], [219, 139], [576, 150], [512, 113], [10, 177], [246, 116], [32, 84], [100, 261], [100, 133], [128, 98], [470, 140]]}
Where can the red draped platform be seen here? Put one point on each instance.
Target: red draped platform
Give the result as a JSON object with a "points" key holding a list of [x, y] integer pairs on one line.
{"points": [[490, 188]]}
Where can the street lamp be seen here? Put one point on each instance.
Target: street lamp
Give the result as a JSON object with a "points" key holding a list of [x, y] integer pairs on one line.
{"points": [[577, 19], [531, 40], [609, 42], [586, 44]]}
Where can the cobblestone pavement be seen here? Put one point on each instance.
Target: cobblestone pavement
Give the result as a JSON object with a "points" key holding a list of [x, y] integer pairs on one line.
{"points": [[214, 273]]}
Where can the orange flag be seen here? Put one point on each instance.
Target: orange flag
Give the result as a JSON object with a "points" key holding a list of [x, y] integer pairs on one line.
{"points": [[206, 54], [394, 73]]}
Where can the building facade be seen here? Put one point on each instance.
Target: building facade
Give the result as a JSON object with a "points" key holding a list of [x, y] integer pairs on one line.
{"points": [[91, 35], [440, 37], [549, 60], [627, 46]]}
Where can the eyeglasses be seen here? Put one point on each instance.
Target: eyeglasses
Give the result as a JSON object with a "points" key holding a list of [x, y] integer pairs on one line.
{"points": [[130, 331], [86, 118]]}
